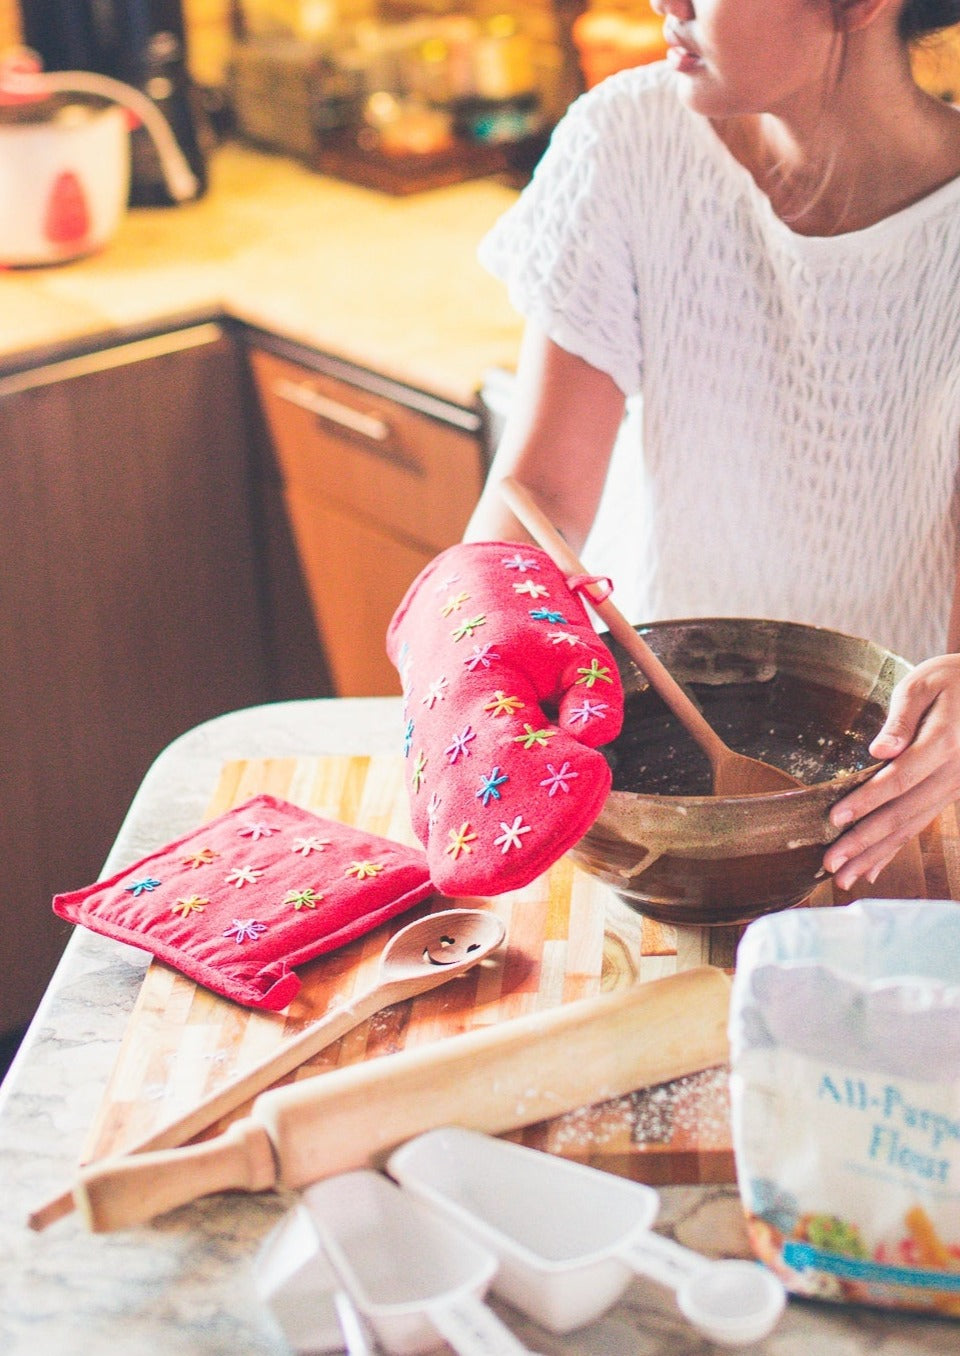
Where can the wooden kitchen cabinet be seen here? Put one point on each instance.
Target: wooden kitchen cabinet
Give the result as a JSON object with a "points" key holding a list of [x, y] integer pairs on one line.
{"points": [[132, 605], [377, 479]]}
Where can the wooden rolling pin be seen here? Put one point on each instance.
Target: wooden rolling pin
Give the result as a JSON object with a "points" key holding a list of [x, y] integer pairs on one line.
{"points": [[496, 1079]]}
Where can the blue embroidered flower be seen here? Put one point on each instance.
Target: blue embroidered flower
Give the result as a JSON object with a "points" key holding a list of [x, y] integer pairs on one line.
{"points": [[407, 738], [139, 886], [547, 615], [490, 786]]}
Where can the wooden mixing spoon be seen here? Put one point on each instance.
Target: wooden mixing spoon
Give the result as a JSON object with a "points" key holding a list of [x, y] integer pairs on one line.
{"points": [[425, 953], [734, 774]]}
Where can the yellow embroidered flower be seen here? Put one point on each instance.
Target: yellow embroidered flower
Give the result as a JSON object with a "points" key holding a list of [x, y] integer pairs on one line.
{"points": [[192, 904], [364, 870], [201, 858], [460, 840], [502, 705], [419, 771], [454, 603]]}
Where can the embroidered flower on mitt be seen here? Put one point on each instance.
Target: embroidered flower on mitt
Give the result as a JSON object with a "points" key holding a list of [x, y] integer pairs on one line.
{"points": [[559, 780], [511, 836], [460, 840], [500, 704], [490, 786]]}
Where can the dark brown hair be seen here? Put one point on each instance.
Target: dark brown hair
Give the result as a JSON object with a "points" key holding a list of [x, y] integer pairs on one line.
{"points": [[918, 18]]}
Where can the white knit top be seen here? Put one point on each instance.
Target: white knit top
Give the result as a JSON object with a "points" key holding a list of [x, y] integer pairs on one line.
{"points": [[796, 448]]}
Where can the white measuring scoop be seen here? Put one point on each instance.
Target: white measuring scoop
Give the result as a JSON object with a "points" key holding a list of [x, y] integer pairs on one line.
{"points": [[416, 1279], [570, 1238]]}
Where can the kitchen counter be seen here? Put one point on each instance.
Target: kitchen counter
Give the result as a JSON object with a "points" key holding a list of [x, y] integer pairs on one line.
{"points": [[389, 283], [185, 1284]]}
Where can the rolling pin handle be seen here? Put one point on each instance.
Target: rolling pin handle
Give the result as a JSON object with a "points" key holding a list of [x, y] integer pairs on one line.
{"points": [[119, 1192]]}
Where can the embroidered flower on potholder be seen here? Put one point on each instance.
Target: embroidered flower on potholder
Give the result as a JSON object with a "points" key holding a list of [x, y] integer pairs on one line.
{"points": [[241, 901]]}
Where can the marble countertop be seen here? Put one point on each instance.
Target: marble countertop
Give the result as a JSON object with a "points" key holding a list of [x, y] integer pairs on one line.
{"points": [[186, 1282], [390, 283]]}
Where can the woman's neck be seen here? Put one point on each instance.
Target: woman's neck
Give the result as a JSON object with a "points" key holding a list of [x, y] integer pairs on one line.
{"points": [[867, 150]]}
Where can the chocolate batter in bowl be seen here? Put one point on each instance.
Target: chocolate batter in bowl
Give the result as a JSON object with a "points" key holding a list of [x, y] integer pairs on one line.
{"points": [[803, 698]]}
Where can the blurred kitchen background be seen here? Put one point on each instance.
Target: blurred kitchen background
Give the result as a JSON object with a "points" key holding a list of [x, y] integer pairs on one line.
{"points": [[232, 433]]}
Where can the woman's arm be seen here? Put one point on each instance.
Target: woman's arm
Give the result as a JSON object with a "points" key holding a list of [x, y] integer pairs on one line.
{"points": [[921, 739], [557, 441]]}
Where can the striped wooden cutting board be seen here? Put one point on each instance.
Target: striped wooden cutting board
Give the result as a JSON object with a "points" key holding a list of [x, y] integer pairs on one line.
{"points": [[568, 937]]}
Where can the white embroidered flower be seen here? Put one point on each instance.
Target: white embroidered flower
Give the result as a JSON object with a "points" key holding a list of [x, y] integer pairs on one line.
{"points": [[511, 836]]}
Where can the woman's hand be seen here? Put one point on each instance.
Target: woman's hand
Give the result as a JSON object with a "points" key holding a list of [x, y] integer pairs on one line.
{"points": [[921, 740]]}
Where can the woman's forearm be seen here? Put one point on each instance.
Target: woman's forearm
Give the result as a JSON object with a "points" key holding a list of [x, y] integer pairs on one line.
{"points": [[557, 441]]}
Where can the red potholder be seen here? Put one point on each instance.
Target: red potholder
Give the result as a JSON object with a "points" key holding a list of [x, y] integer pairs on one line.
{"points": [[238, 902], [507, 692]]}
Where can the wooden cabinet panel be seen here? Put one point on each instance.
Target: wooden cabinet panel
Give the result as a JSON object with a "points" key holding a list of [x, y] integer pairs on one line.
{"points": [[373, 490], [130, 606], [362, 574]]}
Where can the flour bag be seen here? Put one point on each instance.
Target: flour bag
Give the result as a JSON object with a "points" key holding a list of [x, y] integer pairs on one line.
{"points": [[845, 1096]]}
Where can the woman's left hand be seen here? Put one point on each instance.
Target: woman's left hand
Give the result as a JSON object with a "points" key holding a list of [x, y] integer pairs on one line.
{"points": [[921, 740]]}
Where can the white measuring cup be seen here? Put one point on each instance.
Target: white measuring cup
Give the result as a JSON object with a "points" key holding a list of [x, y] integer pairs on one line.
{"points": [[416, 1279], [570, 1238]]}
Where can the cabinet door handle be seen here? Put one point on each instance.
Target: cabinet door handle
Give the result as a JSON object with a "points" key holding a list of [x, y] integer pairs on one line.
{"points": [[367, 425]]}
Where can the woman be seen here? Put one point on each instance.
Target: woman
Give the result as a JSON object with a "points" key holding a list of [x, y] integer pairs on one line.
{"points": [[758, 241]]}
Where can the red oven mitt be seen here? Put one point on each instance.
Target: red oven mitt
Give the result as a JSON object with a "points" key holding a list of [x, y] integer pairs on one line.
{"points": [[507, 692], [264, 887]]}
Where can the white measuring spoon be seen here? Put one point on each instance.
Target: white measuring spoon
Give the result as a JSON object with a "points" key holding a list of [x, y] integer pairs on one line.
{"points": [[569, 1238], [415, 1279]]}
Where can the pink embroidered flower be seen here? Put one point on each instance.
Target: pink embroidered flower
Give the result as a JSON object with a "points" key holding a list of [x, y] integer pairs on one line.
{"points": [[587, 710], [460, 744], [245, 930], [481, 655], [520, 562], [559, 781], [256, 831]]}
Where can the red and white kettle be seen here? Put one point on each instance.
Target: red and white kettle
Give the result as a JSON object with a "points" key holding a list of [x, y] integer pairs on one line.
{"points": [[65, 159]]}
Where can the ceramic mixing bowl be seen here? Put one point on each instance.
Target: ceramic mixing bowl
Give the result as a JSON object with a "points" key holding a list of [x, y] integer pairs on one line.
{"points": [[803, 698]]}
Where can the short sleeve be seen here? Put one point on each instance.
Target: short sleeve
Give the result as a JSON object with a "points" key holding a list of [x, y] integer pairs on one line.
{"points": [[563, 249]]}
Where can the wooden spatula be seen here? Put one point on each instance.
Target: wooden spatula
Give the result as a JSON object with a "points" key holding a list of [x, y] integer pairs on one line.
{"points": [[734, 774]]}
